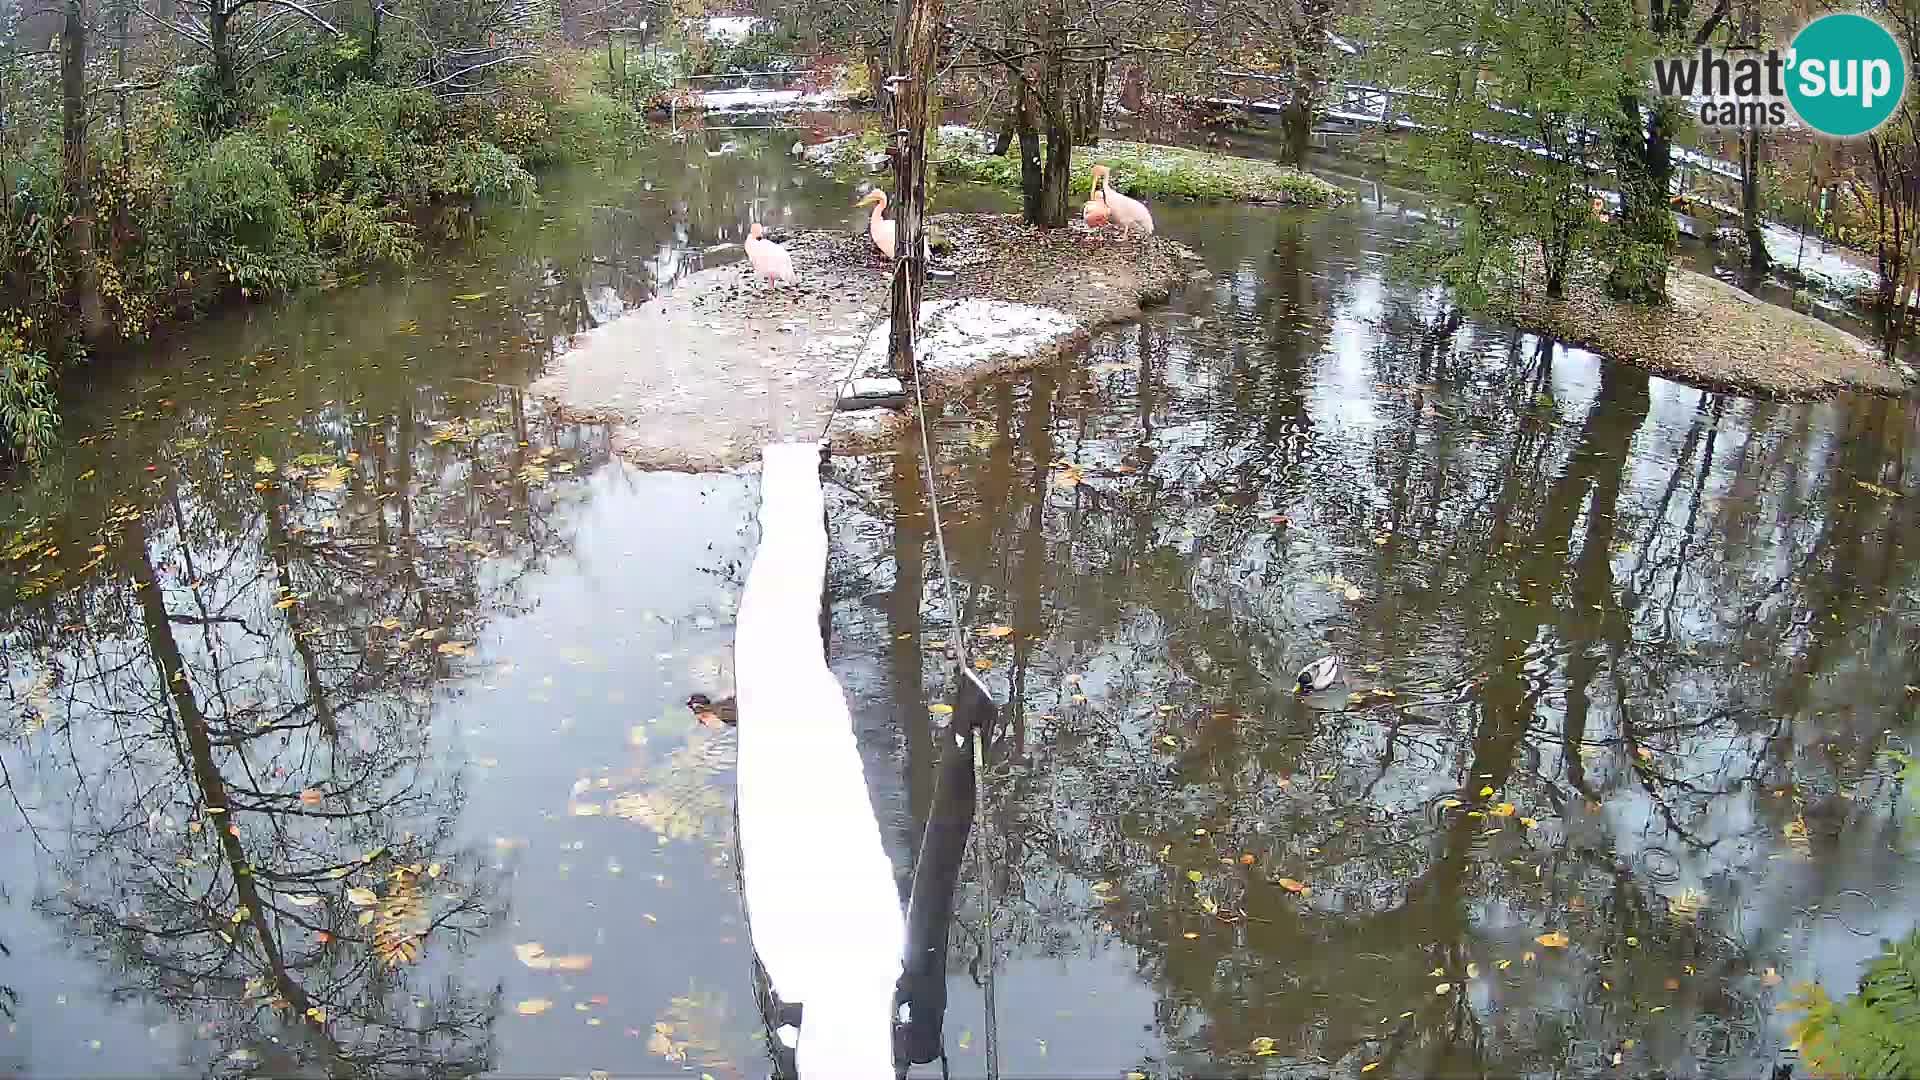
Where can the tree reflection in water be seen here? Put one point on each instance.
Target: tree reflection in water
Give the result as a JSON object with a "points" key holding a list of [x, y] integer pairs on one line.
{"points": [[237, 744], [1621, 650]]}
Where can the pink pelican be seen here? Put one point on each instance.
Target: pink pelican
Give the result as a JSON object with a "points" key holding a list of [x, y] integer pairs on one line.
{"points": [[768, 257], [883, 230], [1095, 213], [1129, 213]]}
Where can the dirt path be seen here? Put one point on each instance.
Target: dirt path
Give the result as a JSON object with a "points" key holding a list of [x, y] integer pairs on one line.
{"points": [[702, 377]]}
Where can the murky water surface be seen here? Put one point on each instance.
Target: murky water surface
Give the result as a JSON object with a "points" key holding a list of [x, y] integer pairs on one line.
{"points": [[343, 723]]}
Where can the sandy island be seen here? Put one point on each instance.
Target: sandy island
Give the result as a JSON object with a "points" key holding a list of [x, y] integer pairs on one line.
{"points": [[702, 377]]}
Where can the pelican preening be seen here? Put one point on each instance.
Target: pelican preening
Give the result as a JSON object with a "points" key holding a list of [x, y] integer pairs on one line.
{"points": [[1127, 212], [883, 230], [1095, 213], [767, 257]]}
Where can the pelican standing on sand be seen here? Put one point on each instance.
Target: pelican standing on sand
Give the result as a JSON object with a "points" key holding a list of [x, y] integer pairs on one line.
{"points": [[767, 257], [883, 230], [1129, 213]]}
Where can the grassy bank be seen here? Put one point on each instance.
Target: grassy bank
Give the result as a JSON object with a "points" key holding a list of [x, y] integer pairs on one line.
{"points": [[1145, 171], [317, 171]]}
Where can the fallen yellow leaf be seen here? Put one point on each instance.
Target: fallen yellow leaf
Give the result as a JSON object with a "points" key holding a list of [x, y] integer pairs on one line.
{"points": [[533, 1006], [1291, 885], [1486, 791], [263, 465], [362, 897], [1443, 988], [1369, 1066], [940, 708], [1505, 809], [1263, 1046], [1553, 939], [995, 631]]}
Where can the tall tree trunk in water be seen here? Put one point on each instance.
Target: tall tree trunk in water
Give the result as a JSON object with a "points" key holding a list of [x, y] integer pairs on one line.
{"points": [[74, 172], [1029, 131], [1312, 22], [913, 48], [1757, 258], [1643, 161]]}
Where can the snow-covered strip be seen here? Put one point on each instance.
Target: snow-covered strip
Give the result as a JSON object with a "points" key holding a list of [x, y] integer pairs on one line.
{"points": [[768, 100], [819, 888], [728, 28], [957, 335]]}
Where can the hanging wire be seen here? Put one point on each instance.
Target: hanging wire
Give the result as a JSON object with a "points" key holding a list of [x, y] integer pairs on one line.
{"points": [[957, 637]]}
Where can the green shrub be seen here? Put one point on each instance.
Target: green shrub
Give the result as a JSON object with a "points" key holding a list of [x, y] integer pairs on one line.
{"points": [[362, 231], [472, 169], [235, 210], [28, 414]]}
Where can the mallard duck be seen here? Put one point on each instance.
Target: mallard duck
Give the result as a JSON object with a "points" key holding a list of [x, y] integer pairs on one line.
{"points": [[1319, 675], [713, 713]]}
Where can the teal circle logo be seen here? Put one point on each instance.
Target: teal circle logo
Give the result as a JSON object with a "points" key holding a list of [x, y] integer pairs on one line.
{"points": [[1845, 75]]}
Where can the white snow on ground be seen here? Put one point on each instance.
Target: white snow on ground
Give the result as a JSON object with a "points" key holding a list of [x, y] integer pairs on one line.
{"points": [[957, 334], [721, 101], [730, 29], [962, 136], [1821, 265]]}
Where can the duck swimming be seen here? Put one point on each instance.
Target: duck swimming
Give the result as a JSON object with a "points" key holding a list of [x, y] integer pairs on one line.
{"points": [[1319, 675]]}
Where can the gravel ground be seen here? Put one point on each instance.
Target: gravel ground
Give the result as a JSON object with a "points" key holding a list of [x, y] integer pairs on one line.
{"points": [[1716, 336], [703, 376]]}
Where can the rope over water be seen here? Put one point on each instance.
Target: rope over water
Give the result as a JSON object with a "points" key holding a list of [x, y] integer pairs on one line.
{"points": [[958, 638]]}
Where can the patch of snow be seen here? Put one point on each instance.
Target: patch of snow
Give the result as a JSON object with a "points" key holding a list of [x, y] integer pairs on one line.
{"points": [[956, 335], [969, 138], [1818, 262], [726, 28], [722, 101]]}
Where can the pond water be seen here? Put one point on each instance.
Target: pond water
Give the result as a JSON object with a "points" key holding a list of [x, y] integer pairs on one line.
{"points": [[344, 724]]}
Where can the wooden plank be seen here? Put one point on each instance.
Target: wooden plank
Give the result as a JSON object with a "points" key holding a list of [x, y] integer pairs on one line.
{"points": [[818, 885]]}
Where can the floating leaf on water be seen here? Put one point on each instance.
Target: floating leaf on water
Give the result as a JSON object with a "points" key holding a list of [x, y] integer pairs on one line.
{"points": [[1353, 592], [1449, 803], [1486, 791], [1770, 977], [433, 871], [1473, 971], [332, 480], [571, 962], [1263, 1046], [1530, 823], [1195, 876], [1554, 939], [1369, 1066], [1443, 988], [362, 897], [263, 465], [304, 900], [1505, 809], [455, 648], [1068, 477], [940, 708], [1291, 885], [1190, 935], [317, 1014], [311, 797], [533, 1006], [533, 954], [1247, 859], [1505, 964], [995, 631], [1883, 492], [983, 663]]}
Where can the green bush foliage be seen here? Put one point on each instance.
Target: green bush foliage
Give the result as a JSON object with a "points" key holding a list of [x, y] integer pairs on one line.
{"points": [[317, 170]]}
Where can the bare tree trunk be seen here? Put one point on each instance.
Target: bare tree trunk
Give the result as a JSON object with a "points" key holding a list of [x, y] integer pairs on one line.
{"points": [[1757, 258], [1029, 132], [1003, 141], [74, 168], [915, 36]]}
